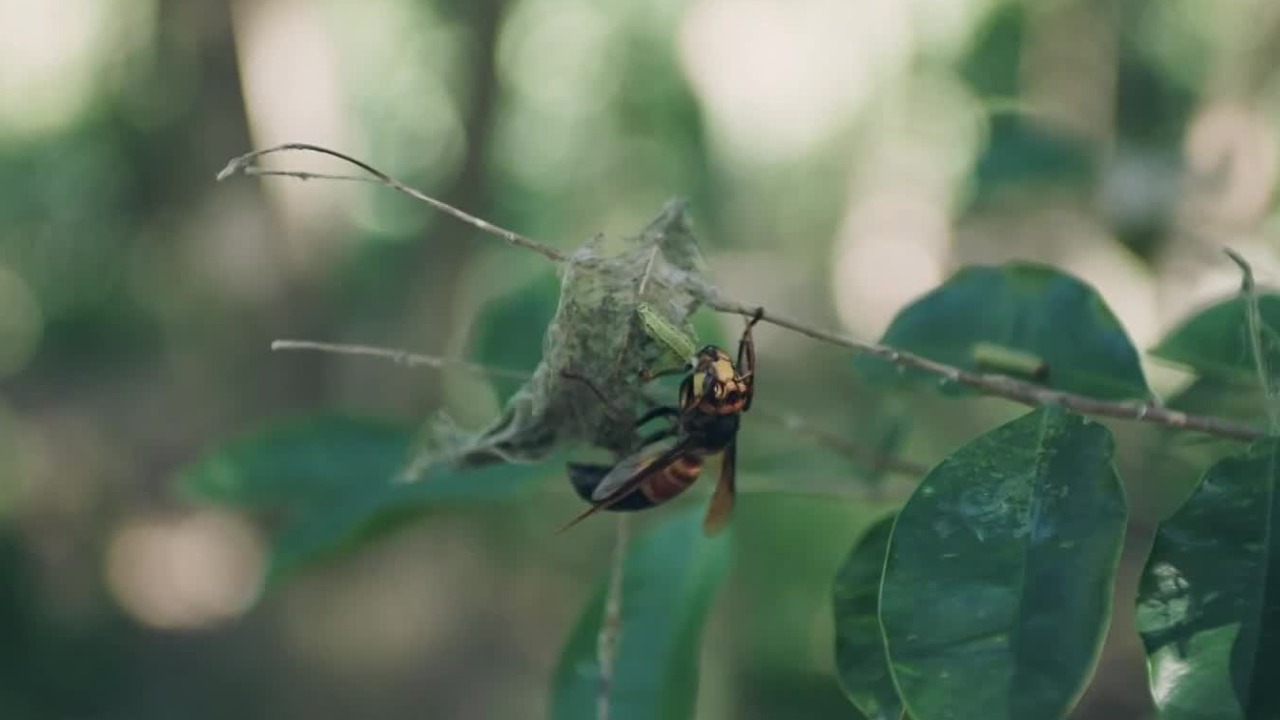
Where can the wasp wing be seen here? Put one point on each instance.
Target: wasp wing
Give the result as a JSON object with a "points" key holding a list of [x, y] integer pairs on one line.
{"points": [[627, 476], [628, 469], [721, 507]]}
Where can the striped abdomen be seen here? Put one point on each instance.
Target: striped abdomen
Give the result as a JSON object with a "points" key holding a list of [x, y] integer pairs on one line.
{"points": [[674, 479]]}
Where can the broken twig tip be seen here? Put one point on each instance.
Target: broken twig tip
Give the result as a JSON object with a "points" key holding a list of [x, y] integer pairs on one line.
{"points": [[1246, 270]]}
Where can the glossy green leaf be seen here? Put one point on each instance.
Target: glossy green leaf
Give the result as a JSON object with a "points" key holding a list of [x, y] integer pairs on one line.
{"points": [[1215, 341], [861, 665], [1209, 600], [997, 584], [1030, 310], [670, 577], [336, 480]]}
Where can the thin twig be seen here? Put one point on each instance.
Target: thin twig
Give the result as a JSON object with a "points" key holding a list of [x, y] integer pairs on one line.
{"points": [[789, 421], [857, 452], [997, 385], [648, 270], [1007, 387], [304, 175], [244, 163], [1253, 323], [611, 621], [399, 357]]}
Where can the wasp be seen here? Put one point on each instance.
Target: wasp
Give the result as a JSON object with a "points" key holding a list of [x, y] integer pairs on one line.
{"points": [[714, 394]]}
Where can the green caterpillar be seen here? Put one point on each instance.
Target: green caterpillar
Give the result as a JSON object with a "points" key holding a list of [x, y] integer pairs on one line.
{"points": [[681, 345]]}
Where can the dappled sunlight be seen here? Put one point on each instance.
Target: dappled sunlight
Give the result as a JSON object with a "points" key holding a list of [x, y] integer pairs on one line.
{"points": [[778, 79], [1233, 163], [51, 58], [289, 72], [552, 139], [568, 40], [190, 521], [894, 240], [184, 571], [1231, 152], [889, 250], [399, 66]]}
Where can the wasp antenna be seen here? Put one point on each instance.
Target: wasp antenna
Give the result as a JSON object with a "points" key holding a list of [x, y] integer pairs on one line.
{"points": [[756, 317]]}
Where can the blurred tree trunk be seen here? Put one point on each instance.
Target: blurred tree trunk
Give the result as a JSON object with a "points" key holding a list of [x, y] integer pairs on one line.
{"points": [[199, 34], [439, 259]]}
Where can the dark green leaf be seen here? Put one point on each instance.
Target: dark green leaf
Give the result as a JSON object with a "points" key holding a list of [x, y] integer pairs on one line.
{"points": [[1212, 396], [298, 461], [670, 578], [991, 67], [1032, 311], [1020, 153], [1215, 341], [509, 330], [1209, 601], [336, 480], [861, 665], [997, 584]]}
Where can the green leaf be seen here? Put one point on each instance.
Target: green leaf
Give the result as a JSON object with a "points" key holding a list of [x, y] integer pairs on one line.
{"points": [[1215, 341], [298, 460], [861, 665], [1209, 600], [1213, 396], [997, 584], [991, 67], [1020, 153], [1030, 310], [336, 481], [508, 333], [670, 577]]}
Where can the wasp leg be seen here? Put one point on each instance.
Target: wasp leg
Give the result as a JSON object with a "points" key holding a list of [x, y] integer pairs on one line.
{"points": [[660, 411], [648, 375], [657, 435], [604, 399], [747, 357]]}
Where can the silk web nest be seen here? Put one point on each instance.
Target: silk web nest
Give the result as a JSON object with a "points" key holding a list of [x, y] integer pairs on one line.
{"points": [[597, 334]]}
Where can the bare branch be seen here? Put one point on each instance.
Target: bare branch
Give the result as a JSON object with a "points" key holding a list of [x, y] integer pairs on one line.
{"points": [[1008, 388], [791, 422], [859, 453], [611, 622], [244, 162], [399, 357], [996, 385]]}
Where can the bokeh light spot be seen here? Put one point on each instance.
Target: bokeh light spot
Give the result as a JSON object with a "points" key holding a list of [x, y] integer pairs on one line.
{"points": [[889, 251], [185, 572], [778, 78], [49, 54]]}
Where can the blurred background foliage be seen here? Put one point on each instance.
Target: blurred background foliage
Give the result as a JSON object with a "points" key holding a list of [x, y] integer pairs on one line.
{"points": [[841, 159]]}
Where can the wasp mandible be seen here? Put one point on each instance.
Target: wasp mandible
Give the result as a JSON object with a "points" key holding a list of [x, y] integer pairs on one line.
{"points": [[714, 394]]}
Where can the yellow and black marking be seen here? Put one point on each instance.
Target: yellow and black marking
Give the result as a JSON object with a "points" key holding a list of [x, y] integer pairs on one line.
{"points": [[713, 397], [665, 484]]}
